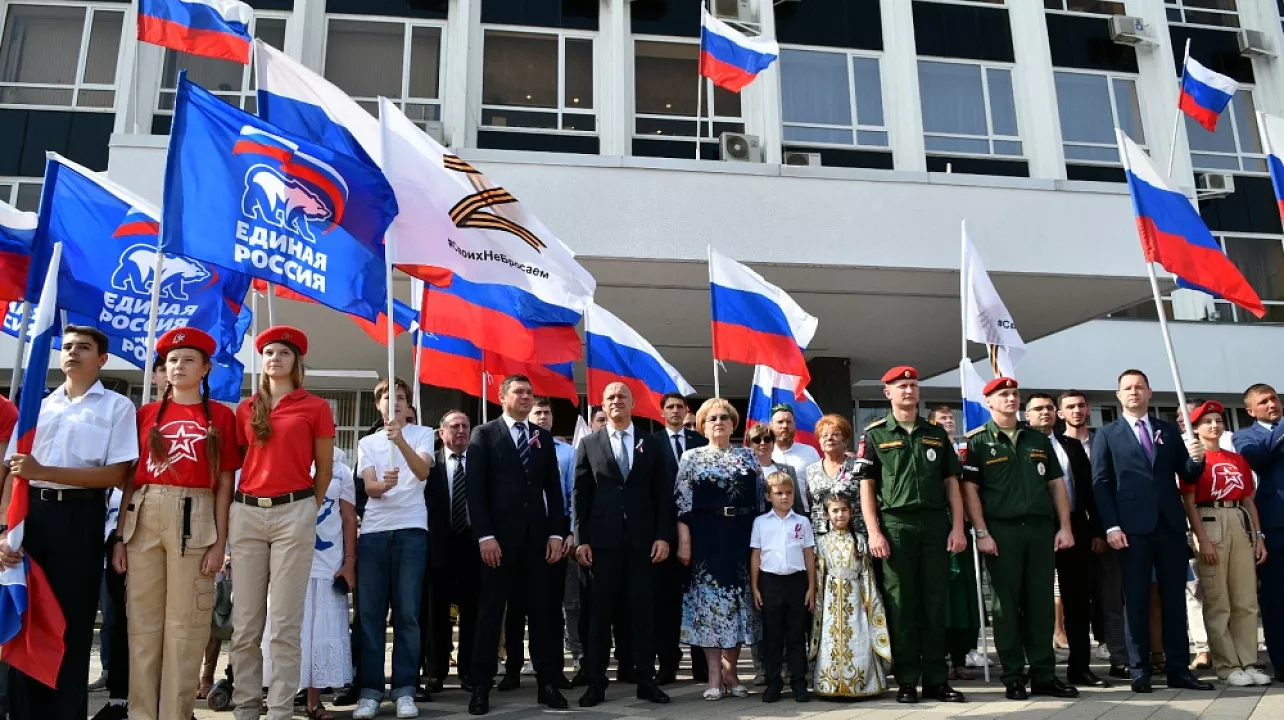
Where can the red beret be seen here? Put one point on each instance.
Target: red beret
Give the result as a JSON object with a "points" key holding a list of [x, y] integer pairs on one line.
{"points": [[185, 337], [1211, 406], [999, 383], [900, 372], [285, 334]]}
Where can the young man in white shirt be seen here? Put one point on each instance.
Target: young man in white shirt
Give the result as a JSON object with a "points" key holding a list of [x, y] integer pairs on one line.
{"points": [[782, 571], [392, 551], [86, 440]]}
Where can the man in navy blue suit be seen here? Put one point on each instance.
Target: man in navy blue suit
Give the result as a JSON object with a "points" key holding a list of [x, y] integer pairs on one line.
{"points": [[1137, 462], [1262, 445]]}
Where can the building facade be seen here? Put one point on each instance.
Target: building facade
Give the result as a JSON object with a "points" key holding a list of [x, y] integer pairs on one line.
{"points": [[883, 126]]}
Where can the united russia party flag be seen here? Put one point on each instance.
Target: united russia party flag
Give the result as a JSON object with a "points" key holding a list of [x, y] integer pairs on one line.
{"points": [[209, 28], [1175, 236], [31, 621], [1204, 93], [755, 322], [615, 352], [771, 388], [730, 58]]}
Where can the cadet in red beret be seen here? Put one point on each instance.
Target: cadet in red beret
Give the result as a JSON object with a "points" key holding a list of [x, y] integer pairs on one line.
{"points": [[174, 527], [287, 435], [910, 474], [997, 384]]}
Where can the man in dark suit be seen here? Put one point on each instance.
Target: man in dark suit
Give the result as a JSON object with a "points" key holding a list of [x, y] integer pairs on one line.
{"points": [[672, 575], [455, 562], [624, 515], [1137, 462], [1074, 564], [514, 505]]}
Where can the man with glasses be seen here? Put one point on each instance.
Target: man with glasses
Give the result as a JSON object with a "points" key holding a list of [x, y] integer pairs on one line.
{"points": [[794, 454]]}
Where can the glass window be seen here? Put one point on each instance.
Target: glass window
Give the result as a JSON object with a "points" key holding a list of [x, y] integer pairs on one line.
{"points": [[229, 80], [537, 80], [665, 83], [1262, 262], [968, 109], [1236, 145], [1216, 13], [1091, 106], [398, 59], [1095, 7], [22, 193], [60, 55], [821, 92]]}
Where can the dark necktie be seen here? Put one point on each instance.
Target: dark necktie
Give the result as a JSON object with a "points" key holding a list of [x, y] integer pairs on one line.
{"points": [[458, 496], [523, 445], [677, 446], [1147, 443], [622, 458]]}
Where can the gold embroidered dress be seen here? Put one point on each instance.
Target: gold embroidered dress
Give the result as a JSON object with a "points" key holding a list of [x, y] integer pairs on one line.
{"points": [[849, 644]]}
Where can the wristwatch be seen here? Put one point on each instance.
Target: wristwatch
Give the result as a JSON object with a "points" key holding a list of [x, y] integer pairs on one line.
{"points": [[982, 534], [1261, 535]]}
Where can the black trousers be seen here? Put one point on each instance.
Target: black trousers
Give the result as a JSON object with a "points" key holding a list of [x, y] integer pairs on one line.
{"points": [[66, 540], [784, 623], [621, 577], [522, 573], [118, 646], [1077, 582], [671, 579], [517, 615], [1162, 552], [457, 583]]}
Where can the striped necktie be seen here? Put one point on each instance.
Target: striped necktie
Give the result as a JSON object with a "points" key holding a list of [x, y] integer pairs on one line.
{"points": [[523, 445], [458, 496]]}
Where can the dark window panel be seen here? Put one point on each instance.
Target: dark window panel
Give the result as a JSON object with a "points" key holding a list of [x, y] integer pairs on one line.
{"points": [[1218, 50], [431, 9], [161, 124], [962, 31], [680, 18], [978, 166], [839, 157], [82, 137], [831, 23], [47, 130], [1251, 208], [540, 142], [568, 14], [644, 147], [287, 5], [1079, 41], [89, 139], [1095, 173], [13, 125]]}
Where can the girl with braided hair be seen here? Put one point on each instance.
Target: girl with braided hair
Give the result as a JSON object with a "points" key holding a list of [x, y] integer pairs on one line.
{"points": [[174, 528]]}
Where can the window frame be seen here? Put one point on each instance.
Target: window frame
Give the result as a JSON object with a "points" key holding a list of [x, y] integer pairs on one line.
{"points": [[856, 127], [561, 110], [1232, 118], [1181, 8], [990, 136], [1110, 77], [407, 45], [1063, 10], [707, 118], [15, 182], [86, 32], [248, 89]]}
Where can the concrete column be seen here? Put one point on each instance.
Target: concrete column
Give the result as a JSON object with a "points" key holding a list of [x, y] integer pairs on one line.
{"points": [[305, 34], [1157, 89], [760, 102], [1036, 95], [900, 86], [1268, 90], [138, 76], [614, 78], [461, 96], [831, 384]]}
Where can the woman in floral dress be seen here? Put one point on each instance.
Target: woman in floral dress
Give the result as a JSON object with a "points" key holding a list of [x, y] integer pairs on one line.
{"points": [[834, 468], [717, 495]]}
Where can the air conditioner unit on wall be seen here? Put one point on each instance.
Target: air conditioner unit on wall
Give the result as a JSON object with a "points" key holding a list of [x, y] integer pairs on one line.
{"points": [[737, 147], [741, 11], [1126, 30], [1252, 43], [436, 130], [1214, 184], [802, 159]]}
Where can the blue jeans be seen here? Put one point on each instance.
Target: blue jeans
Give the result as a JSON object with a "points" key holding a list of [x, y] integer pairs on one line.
{"points": [[390, 561]]}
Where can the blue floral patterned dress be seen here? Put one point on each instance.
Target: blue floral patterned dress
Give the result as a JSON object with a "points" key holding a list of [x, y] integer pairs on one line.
{"points": [[717, 609]]}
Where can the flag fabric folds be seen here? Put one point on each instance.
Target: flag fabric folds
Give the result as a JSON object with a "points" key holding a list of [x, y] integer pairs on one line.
{"points": [[1204, 93], [975, 411], [502, 319], [32, 625], [209, 28], [457, 364], [1175, 236], [17, 229], [755, 322], [730, 58], [1272, 129], [771, 388], [247, 196], [986, 318], [406, 317], [615, 352]]}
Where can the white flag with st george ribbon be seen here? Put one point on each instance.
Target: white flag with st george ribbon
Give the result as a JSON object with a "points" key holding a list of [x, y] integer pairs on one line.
{"points": [[986, 319]]}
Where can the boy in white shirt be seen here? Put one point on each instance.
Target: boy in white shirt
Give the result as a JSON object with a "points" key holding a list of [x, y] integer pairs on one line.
{"points": [[782, 572]]}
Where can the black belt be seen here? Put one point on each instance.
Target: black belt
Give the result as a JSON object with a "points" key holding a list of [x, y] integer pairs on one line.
{"points": [[267, 502], [727, 511], [52, 495], [1219, 504]]}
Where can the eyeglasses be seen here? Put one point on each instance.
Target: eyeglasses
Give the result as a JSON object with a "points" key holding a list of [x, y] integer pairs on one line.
{"points": [[762, 440], [718, 418], [1040, 409]]}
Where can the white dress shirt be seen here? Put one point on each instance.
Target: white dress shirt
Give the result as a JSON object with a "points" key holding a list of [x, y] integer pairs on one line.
{"points": [[682, 441], [625, 444], [96, 429], [781, 541]]}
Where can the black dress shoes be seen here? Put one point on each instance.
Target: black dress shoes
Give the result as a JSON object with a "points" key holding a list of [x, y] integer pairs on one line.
{"points": [[511, 681], [1187, 681], [435, 685], [464, 684], [771, 694], [1141, 684], [1054, 688], [651, 692], [1119, 672], [550, 696], [562, 683], [801, 694], [906, 694], [479, 704], [1015, 691], [423, 695], [593, 696], [580, 678], [942, 693], [1085, 678], [666, 677]]}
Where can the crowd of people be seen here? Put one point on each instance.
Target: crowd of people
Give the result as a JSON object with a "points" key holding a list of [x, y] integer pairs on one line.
{"points": [[843, 570]]}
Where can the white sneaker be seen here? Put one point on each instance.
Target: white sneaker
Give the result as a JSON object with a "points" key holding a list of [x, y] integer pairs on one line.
{"points": [[1257, 676], [367, 708], [406, 707], [528, 669], [974, 659], [1238, 678], [1102, 652]]}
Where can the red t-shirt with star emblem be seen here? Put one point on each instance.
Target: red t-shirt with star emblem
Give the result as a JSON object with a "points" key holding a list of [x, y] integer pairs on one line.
{"points": [[1226, 477], [183, 428]]}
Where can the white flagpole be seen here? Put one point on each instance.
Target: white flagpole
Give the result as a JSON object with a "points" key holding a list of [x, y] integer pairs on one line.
{"points": [[15, 377], [254, 325], [271, 304], [419, 363], [699, 89], [484, 409], [153, 314], [1172, 146], [976, 555], [717, 388], [588, 397], [389, 252]]}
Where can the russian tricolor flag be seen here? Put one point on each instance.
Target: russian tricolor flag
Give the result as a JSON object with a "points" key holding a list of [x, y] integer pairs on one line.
{"points": [[405, 317], [771, 388], [975, 412], [1204, 93], [458, 364], [502, 319], [31, 621], [615, 352], [755, 322], [730, 58], [1175, 236], [209, 28], [1272, 129], [17, 228]]}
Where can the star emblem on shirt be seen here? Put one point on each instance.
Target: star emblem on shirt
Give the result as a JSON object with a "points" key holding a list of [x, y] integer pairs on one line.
{"points": [[181, 437], [1227, 479]]}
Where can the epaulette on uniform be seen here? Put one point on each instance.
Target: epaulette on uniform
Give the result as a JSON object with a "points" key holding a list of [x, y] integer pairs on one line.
{"points": [[974, 432], [876, 423]]}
